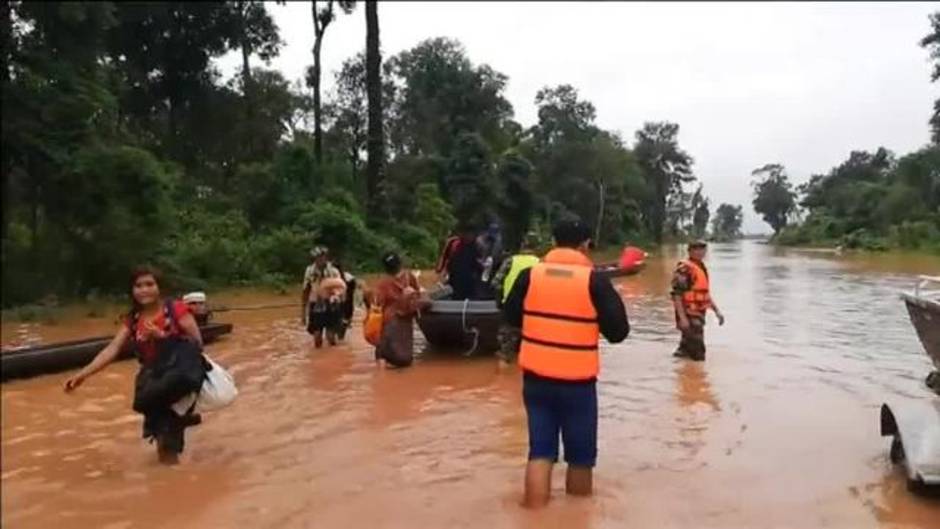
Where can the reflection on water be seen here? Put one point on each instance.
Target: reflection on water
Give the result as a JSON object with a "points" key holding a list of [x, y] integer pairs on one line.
{"points": [[694, 387], [777, 429]]}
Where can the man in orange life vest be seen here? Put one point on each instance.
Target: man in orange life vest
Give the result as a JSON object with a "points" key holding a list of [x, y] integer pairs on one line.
{"points": [[563, 307], [692, 299]]}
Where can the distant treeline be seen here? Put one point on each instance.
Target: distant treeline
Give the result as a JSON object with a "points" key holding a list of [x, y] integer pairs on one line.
{"points": [[873, 200], [121, 145]]}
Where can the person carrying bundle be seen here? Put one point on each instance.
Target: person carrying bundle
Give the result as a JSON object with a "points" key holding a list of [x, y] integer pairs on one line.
{"points": [[323, 290]]}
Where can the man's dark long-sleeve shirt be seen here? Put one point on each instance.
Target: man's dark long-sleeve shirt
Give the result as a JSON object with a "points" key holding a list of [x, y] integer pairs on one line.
{"points": [[611, 314]]}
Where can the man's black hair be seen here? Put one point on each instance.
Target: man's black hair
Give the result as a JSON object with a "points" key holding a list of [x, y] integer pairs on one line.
{"points": [[570, 233], [391, 262]]}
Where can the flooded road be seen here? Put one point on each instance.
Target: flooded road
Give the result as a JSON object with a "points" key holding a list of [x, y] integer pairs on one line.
{"points": [[778, 429]]}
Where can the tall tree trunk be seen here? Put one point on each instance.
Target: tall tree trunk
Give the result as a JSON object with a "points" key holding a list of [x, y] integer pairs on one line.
{"points": [[317, 110], [247, 85], [319, 29], [172, 127], [600, 213], [246, 68], [658, 219], [6, 162], [375, 144], [245, 45], [34, 221]]}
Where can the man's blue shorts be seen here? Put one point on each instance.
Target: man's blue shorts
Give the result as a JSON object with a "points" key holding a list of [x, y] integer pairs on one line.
{"points": [[560, 406]]}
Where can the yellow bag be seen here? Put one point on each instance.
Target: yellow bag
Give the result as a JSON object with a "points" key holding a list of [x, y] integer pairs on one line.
{"points": [[372, 326]]}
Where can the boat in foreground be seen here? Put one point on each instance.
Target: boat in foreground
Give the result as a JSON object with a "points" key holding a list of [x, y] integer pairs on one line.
{"points": [[923, 306], [62, 356], [915, 427], [472, 326]]}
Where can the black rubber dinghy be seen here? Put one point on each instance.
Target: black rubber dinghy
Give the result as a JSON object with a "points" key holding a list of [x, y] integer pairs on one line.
{"points": [[472, 326]]}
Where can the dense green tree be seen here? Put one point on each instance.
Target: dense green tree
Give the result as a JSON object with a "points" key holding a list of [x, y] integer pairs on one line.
{"points": [[667, 169], [444, 95], [774, 198], [257, 33], [348, 111], [726, 224], [515, 201], [873, 201], [112, 202], [163, 52], [432, 213], [849, 191], [8, 45], [932, 42], [559, 146], [920, 170], [563, 117], [56, 104], [121, 144], [581, 169], [469, 183]]}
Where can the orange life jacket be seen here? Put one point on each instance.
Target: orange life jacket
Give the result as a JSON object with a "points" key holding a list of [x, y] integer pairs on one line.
{"points": [[697, 299], [559, 323]]}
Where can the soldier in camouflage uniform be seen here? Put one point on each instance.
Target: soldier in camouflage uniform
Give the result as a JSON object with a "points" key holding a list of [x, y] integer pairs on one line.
{"points": [[509, 337], [692, 298]]}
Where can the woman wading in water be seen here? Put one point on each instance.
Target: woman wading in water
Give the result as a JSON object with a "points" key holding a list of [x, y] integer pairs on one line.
{"points": [[151, 326], [399, 295]]}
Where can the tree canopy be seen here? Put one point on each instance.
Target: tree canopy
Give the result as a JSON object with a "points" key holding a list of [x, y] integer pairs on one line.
{"points": [[726, 225], [122, 144], [873, 200], [774, 198], [932, 42]]}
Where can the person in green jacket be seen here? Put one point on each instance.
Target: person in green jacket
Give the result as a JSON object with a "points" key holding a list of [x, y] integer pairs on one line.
{"points": [[510, 336]]}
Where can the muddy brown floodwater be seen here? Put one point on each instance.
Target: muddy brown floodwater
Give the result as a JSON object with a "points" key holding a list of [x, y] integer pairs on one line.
{"points": [[779, 429]]}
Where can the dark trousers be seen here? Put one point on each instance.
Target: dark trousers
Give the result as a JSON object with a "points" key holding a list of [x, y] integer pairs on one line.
{"points": [[509, 339], [562, 407], [692, 343]]}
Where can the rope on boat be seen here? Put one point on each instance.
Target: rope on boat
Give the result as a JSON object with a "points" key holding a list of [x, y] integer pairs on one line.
{"points": [[255, 307], [474, 331]]}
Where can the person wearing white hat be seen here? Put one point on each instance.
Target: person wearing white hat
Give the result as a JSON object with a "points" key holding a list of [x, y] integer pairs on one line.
{"points": [[196, 302]]}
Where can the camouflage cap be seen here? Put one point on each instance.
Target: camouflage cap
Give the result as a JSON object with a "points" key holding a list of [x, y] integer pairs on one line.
{"points": [[697, 243]]}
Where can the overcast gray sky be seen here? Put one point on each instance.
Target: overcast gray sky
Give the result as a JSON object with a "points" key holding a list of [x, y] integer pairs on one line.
{"points": [[798, 84]]}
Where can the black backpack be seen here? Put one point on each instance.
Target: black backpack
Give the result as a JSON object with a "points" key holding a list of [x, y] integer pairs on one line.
{"points": [[178, 370]]}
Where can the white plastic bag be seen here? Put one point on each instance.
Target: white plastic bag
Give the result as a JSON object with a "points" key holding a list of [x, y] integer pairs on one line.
{"points": [[218, 390], [182, 406]]}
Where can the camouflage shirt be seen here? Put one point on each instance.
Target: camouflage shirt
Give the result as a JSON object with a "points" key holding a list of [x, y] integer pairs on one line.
{"points": [[682, 278], [497, 281]]}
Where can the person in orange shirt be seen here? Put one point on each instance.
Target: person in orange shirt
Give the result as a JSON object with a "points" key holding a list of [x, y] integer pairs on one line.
{"points": [[562, 307]]}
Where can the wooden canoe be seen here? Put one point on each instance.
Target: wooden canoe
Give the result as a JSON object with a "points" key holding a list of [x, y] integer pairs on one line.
{"points": [[62, 356]]}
